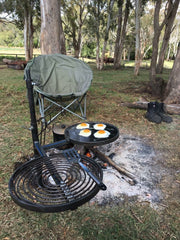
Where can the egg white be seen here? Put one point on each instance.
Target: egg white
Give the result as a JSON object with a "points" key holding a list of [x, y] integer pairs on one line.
{"points": [[100, 135], [84, 133], [99, 126], [82, 126]]}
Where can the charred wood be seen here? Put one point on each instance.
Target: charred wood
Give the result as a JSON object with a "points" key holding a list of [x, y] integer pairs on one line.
{"points": [[107, 159]]}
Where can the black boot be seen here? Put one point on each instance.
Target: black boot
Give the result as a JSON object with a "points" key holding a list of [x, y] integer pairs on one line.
{"points": [[151, 113], [162, 114]]}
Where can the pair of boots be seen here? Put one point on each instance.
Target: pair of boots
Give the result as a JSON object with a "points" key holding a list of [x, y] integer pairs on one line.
{"points": [[155, 113]]}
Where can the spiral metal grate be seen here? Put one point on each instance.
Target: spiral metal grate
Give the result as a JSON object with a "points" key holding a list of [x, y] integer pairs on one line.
{"points": [[53, 184]]}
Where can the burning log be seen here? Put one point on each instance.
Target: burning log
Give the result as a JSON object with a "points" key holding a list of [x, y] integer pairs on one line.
{"points": [[107, 159]]}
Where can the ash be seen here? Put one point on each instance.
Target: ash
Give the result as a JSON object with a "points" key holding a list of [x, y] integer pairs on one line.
{"points": [[140, 159]]}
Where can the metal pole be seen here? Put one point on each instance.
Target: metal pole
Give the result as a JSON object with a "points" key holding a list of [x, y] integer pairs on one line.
{"points": [[34, 128]]}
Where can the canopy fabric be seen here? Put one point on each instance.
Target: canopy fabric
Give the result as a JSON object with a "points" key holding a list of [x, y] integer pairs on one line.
{"points": [[60, 75]]}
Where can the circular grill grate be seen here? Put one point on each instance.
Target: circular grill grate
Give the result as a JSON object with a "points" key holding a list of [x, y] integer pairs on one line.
{"points": [[52, 184]]}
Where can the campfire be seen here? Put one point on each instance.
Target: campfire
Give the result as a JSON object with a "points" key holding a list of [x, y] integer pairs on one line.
{"points": [[138, 159], [130, 171]]}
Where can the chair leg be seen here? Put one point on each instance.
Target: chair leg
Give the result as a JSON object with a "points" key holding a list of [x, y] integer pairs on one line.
{"points": [[42, 110], [82, 109]]}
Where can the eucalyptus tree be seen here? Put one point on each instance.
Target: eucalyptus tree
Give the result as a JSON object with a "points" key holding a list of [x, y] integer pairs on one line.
{"points": [[158, 27], [22, 13], [146, 31], [121, 31], [141, 39], [28, 7], [50, 30], [62, 35], [172, 92], [174, 39], [138, 8], [106, 32], [96, 23], [74, 17], [172, 8]]}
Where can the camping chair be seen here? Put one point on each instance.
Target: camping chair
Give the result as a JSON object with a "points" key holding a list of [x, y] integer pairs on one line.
{"points": [[60, 84], [49, 181]]}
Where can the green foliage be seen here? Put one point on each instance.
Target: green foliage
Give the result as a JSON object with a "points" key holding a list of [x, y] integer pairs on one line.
{"points": [[17, 8], [89, 50], [91, 17], [10, 35]]}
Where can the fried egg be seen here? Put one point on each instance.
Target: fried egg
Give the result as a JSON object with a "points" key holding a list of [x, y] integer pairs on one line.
{"points": [[99, 126], [101, 134], [82, 125], [85, 133]]}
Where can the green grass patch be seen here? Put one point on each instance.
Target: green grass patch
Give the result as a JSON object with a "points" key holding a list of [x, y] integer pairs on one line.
{"points": [[16, 50], [127, 221]]}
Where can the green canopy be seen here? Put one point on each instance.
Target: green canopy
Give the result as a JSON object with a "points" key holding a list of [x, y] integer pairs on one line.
{"points": [[60, 75]]}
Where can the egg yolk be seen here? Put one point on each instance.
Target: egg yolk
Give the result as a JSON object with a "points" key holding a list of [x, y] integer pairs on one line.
{"points": [[86, 130], [83, 124], [100, 125], [101, 131]]}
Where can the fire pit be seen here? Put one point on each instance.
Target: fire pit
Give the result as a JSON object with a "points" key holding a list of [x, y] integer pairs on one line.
{"points": [[139, 158]]}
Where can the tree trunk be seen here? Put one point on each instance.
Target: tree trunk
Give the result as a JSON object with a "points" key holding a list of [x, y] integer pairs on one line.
{"points": [[97, 17], [50, 26], [98, 51], [173, 9], [98, 44], [26, 36], [79, 41], [118, 35], [153, 64], [172, 93], [111, 4], [76, 42], [117, 64], [157, 32], [31, 30], [28, 33], [138, 45], [62, 36]]}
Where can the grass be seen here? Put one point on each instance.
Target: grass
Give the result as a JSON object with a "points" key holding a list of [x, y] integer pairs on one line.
{"points": [[16, 50], [136, 221], [15, 53]]}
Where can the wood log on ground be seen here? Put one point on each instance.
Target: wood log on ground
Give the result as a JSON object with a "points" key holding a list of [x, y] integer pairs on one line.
{"points": [[169, 108], [121, 170], [15, 64], [108, 60], [7, 61]]}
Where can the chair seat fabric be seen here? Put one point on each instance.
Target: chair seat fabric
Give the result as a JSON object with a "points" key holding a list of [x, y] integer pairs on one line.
{"points": [[59, 75]]}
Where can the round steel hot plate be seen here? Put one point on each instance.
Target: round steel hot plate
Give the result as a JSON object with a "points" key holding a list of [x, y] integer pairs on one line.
{"points": [[53, 184], [72, 135]]}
